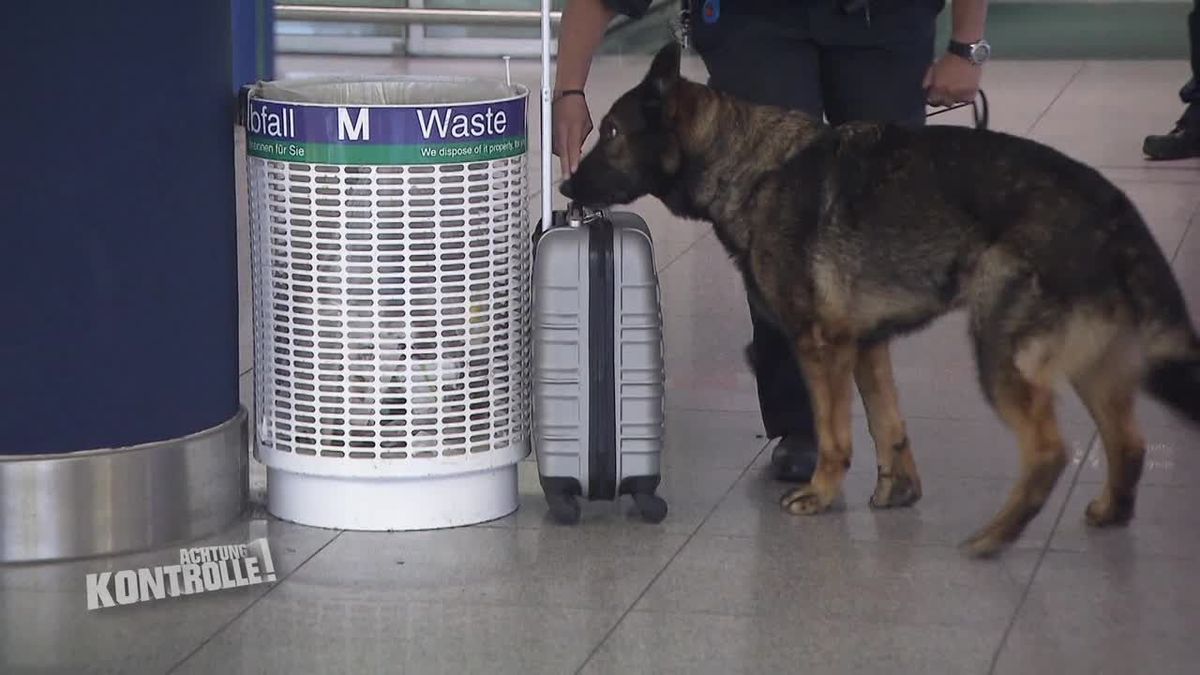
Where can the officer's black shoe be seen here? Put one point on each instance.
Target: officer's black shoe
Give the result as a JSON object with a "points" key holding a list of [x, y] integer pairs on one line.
{"points": [[794, 459], [1182, 142]]}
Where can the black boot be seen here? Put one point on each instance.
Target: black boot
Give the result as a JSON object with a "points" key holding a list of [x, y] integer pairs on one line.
{"points": [[794, 459], [1181, 142]]}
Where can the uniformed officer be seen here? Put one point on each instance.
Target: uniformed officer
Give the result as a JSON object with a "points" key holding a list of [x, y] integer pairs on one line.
{"points": [[1183, 141], [844, 59]]}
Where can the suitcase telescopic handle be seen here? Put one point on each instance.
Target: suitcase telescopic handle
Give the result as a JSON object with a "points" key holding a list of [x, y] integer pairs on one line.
{"points": [[547, 141]]}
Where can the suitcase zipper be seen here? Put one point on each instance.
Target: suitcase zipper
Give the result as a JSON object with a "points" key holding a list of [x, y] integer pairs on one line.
{"points": [[602, 455]]}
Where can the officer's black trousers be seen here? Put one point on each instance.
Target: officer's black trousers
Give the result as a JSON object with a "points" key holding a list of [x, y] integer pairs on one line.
{"points": [[1190, 94], [813, 57]]}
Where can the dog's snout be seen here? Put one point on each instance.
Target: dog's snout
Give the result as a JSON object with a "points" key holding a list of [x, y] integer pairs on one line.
{"points": [[565, 188]]}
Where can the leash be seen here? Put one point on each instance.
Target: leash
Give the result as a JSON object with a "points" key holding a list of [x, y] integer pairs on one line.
{"points": [[979, 110]]}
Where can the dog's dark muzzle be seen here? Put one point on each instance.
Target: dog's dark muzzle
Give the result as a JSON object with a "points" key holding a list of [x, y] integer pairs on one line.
{"points": [[597, 188], [566, 189]]}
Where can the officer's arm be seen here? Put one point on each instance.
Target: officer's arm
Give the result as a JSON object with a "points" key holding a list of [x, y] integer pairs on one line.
{"points": [[968, 20], [580, 33]]}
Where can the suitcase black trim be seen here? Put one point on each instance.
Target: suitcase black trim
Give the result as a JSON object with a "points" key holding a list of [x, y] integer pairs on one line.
{"points": [[602, 455]]}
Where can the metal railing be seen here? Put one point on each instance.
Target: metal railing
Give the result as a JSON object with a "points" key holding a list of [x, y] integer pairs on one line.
{"points": [[493, 17]]}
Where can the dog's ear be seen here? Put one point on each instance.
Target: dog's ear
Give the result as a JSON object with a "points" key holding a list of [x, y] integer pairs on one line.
{"points": [[664, 71]]}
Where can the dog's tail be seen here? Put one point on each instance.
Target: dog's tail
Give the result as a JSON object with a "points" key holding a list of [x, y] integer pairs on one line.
{"points": [[1169, 342], [1173, 371]]}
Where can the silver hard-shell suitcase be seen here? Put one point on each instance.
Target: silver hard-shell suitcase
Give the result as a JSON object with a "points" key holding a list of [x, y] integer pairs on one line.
{"points": [[598, 375]]}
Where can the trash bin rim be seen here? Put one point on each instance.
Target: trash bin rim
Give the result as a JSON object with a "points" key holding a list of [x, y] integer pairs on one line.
{"points": [[519, 91]]}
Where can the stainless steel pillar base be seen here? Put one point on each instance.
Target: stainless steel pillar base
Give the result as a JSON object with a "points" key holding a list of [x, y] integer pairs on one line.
{"points": [[102, 502]]}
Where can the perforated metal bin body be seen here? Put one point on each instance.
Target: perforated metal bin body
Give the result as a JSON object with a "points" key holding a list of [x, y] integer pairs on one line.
{"points": [[390, 257]]}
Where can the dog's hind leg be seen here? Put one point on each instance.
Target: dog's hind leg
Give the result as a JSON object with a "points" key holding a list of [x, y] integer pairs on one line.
{"points": [[1108, 387], [898, 483], [829, 371], [1028, 408], [1024, 398]]}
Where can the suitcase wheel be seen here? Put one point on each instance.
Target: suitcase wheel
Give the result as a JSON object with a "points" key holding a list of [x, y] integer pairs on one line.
{"points": [[652, 507], [564, 507]]}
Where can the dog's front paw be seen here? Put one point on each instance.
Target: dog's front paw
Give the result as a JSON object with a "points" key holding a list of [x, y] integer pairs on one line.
{"points": [[1106, 511], [805, 500], [895, 491], [986, 543]]}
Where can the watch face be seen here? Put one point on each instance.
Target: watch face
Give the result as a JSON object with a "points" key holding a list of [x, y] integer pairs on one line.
{"points": [[980, 51]]}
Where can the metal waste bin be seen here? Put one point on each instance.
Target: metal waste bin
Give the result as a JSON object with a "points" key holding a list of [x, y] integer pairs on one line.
{"points": [[390, 257]]}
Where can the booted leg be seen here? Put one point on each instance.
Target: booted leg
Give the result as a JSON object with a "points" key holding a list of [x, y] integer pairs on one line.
{"points": [[1028, 408], [898, 483], [732, 50], [783, 399], [1109, 393], [829, 370], [1184, 139], [1181, 142]]}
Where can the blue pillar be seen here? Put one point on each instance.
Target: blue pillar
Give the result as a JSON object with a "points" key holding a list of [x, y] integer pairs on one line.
{"points": [[118, 269], [118, 278], [253, 41]]}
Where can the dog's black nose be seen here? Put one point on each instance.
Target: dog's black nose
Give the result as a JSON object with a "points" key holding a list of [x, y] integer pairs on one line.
{"points": [[564, 188]]}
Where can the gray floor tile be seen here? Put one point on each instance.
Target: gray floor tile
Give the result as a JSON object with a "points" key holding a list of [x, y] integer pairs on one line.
{"points": [[1172, 458], [1178, 173], [577, 568], [47, 627], [1093, 123], [712, 439], [1187, 264], [705, 351], [1166, 209], [1088, 613], [331, 628], [1021, 564], [705, 282], [691, 493], [795, 579], [937, 376], [647, 642], [714, 383], [1164, 525], [704, 454], [951, 509], [946, 449]]}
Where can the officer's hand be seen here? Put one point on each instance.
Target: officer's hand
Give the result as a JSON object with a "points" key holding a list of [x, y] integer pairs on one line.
{"points": [[572, 123], [952, 79]]}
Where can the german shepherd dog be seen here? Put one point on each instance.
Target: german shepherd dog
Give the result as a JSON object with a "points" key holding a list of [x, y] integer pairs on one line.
{"points": [[852, 236]]}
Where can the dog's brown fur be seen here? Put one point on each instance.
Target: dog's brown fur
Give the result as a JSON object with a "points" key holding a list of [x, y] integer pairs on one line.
{"points": [[854, 235]]}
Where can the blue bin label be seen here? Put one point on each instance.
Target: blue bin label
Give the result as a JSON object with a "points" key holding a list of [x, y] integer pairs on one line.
{"points": [[438, 134]]}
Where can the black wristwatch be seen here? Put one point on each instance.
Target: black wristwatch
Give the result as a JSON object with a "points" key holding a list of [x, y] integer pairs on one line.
{"points": [[975, 52]]}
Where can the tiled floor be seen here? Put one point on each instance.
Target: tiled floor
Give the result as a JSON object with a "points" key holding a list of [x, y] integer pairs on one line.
{"points": [[728, 583]]}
